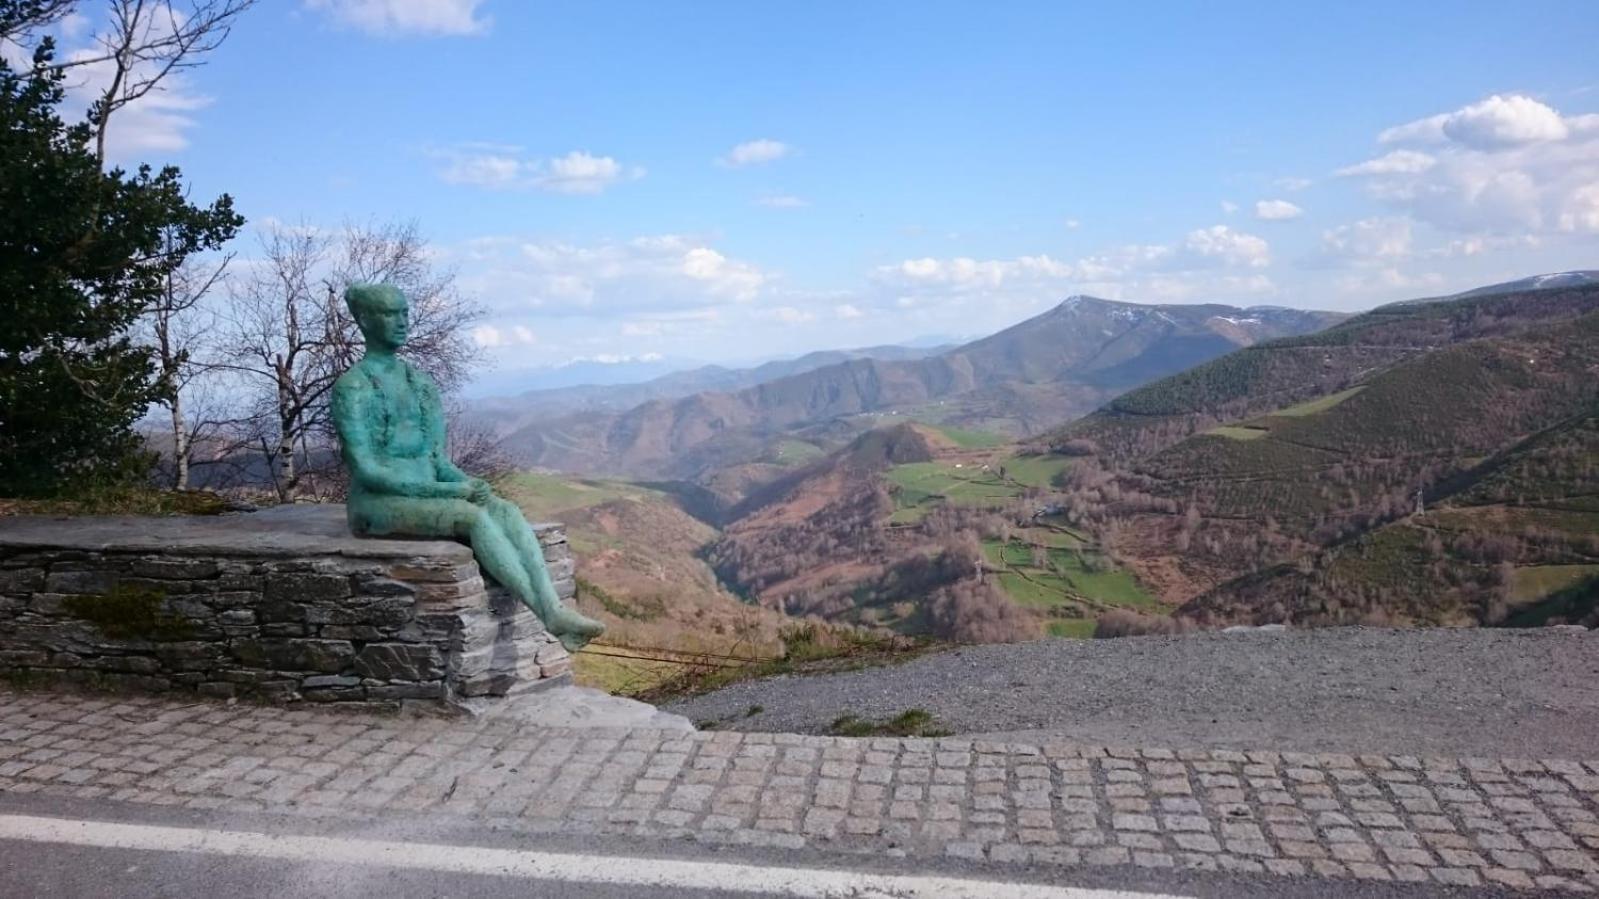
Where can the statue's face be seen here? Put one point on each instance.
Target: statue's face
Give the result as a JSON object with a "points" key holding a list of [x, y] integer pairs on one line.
{"points": [[385, 323]]}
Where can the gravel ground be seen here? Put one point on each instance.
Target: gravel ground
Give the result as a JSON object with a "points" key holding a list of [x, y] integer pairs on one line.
{"points": [[1502, 693]]}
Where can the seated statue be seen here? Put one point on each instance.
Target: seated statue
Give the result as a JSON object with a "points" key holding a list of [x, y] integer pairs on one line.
{"points": [[402, 482]]}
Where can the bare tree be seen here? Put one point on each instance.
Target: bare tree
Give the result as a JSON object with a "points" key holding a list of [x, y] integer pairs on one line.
{"points": [[291, 336], [475, 448], [281, 336], [182, 330], [142, 44]]}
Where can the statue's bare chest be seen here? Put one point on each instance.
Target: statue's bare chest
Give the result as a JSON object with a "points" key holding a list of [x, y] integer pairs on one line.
{"points": [[399, 413]]}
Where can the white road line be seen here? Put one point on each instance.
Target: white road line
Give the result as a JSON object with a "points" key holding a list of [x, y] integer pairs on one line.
{"points": [[569, 867]]}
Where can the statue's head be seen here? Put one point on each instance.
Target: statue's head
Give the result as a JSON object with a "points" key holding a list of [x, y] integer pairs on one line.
{"points": [[381, 312]]}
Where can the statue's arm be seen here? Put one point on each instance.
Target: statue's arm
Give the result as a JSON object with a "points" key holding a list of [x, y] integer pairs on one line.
{"points": [[352, 418]]}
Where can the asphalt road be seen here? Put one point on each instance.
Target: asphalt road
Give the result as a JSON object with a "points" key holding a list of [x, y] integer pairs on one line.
{"points": [[243, 857], [1455, 692]]}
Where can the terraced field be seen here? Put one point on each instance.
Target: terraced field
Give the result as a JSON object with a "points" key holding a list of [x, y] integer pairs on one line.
{"points": [[1069, 583], [920, 486], [1060, 574], [543, 495]]}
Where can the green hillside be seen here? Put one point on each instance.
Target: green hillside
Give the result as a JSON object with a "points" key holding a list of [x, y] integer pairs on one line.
{"points": [[1425, 462], [1279, 374], [1512, 539]]}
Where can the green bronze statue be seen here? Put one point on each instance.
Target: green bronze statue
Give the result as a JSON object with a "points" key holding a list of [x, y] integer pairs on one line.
{"points": [[402, 482]]}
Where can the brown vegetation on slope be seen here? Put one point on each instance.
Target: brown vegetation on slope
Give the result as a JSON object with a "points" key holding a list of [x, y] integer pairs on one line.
{"points": [[820, 545], [1309, 515]]}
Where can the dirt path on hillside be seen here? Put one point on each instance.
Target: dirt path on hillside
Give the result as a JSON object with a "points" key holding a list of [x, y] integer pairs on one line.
{"points": [[1505, 693]]}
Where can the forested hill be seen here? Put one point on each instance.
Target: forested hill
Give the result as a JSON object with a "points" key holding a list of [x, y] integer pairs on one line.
{"points": [[1279, 373], [1350, 475]]}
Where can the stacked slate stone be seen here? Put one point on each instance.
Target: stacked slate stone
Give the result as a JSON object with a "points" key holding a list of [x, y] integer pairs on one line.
{"points": [[337, 628]]}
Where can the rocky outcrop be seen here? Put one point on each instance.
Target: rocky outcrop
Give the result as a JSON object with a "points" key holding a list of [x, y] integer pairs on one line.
{"points": [[282, 605]]}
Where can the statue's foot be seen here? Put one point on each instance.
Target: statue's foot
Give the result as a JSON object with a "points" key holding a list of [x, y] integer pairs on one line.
{"points": [[574, 630]]}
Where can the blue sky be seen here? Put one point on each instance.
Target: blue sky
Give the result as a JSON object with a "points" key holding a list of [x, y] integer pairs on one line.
{"points": [[727, 181]]}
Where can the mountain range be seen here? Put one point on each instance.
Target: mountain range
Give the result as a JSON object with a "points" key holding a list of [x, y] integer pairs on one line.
{"points": [[1017, 382]]}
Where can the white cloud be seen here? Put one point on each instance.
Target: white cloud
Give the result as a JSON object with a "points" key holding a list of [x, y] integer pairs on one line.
{"points": [[848, 310], [1221, 244], [1228, 207], [755, 152], [1478, 244], [1399, 162], [501, 167], [1388, 280], [1368, 240], [391, 18], [782, 201], [1215, 263], [1277, 210], [1497, 122], [494, 337], [1508, 165], [666, 277], [580, 173], [1292, 184], [1073, 224], [1581, 210], [74, 25], [616, 358], [788, 315]]}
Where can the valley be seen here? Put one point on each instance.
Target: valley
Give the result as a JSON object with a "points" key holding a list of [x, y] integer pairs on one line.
{"points": [[1425, 463]]}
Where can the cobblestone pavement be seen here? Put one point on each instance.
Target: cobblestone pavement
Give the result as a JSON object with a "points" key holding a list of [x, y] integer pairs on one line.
{"points": [[1521, 823]]}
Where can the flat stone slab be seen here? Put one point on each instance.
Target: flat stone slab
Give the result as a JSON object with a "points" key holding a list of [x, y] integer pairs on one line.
{"points": [[575, 707], [304, 529], [1522, 824]]}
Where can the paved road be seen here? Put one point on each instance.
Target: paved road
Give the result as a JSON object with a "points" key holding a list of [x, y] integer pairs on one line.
{"points": [[1180, 822], [1459, 692], [82, 849]]}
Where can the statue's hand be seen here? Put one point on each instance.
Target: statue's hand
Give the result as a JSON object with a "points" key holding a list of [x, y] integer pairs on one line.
{"points": [[478, 491]]}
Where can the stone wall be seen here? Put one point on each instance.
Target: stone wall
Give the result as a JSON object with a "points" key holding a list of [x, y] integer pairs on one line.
{"points": [[282, 605]]}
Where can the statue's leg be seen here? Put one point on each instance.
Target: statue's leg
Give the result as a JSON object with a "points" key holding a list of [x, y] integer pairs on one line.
{"points": [[577, 628], [494, 549]]}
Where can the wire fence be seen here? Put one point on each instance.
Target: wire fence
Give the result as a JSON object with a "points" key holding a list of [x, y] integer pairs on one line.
{"points": [[689, 658]]}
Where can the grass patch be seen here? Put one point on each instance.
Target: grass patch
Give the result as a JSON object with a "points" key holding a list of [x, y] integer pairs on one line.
{"points": [[1072, 628], [920, 485], [1034, 471], [1536, 582], [622, 676], [544, 494], [1065, 575], [966, 438], [1237, 432], [646, 608], [1034, 591], [792, 452], [807, 649], [1320, 404], [909, 723], [1116, 588]]}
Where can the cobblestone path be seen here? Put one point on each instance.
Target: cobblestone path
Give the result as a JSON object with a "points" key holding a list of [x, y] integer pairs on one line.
{"points": [[1523, 823]]}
